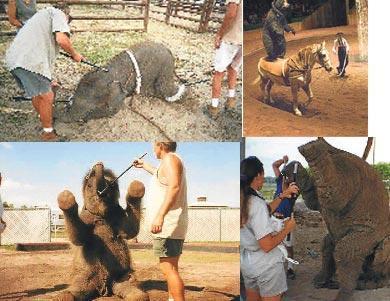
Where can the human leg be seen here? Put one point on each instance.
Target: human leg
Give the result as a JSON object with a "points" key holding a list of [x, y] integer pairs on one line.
{"points": [[169, 267]]}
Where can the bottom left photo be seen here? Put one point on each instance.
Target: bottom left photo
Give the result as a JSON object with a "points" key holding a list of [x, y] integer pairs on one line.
{"points": [[113, 221]]}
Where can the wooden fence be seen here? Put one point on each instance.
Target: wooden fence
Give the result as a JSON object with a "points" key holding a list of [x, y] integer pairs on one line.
{"points": [[142, 5], [198, 13]]}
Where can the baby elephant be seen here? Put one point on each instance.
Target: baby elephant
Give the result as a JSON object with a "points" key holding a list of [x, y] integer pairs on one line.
{"points": [[102, 264], [147, 68]]}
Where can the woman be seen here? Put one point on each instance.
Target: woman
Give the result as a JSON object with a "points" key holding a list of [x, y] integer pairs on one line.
{"points": [[19, 11], [261, 260]]}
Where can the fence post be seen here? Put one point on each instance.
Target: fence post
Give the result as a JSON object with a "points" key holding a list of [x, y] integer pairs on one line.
{"points": [[220, 224], [205, 17], [146, 14], [168, 11]]}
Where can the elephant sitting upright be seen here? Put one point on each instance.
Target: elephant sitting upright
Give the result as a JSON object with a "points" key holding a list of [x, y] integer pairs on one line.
{"points": [[102, 264], [354, 204]]}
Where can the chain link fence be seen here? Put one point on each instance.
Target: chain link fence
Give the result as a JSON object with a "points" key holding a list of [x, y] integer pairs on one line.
{"points": [[26, 226]]}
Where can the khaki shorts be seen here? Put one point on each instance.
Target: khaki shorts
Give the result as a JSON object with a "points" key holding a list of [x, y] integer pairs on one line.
{"points": [[167, 247], [272, 282]]}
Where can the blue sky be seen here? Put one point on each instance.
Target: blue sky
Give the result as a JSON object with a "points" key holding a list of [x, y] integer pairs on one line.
{"points": [[34, 173], [269, 150]]}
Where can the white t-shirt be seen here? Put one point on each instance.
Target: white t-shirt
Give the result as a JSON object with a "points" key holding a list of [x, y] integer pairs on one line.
{"points": [[253, 259], [34, 47]]}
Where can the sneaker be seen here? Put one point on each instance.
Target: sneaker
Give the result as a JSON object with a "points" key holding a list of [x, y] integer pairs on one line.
{"points": [[213, 111], [230, 103], [290, 274], [51, 136]]}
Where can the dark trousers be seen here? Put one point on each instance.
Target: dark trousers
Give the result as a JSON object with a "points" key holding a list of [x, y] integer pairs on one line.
{"points": [[343, 60]]}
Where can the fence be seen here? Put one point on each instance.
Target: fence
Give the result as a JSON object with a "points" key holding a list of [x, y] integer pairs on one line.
{"points": [[142, 5], [206, 225], [198, 13], [26, 226]]}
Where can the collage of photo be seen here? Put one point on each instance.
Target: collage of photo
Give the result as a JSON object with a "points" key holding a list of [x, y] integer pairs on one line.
{"points": [[211, 150]]}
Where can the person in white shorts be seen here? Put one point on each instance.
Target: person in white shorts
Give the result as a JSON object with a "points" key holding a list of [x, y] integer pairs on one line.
{"points": [[228, 56]]}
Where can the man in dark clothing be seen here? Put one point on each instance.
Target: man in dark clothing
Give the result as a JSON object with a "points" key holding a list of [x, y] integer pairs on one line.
{"points": [[273, 30], [341, 48]]}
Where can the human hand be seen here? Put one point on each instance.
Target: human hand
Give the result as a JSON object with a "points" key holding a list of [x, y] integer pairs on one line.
{"points": [[157, 224], [138, 163], [292, 189], [217, 42], [289, 224], [77, 57], [285, 158]]}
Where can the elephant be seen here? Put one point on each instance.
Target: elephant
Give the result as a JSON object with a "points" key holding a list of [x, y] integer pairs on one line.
{"points": [[354, 204], [102, 264], [101, 93]]}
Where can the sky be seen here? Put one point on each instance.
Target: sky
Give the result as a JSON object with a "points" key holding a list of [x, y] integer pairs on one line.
{"points": [[35, 173], [269, 150]]}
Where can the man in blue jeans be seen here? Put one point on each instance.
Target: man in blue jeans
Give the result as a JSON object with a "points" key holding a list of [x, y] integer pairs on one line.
{"points": [[284, 210]]}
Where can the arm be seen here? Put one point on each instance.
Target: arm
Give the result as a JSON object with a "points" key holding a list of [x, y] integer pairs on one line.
{"points": [[145, 165], [174, 169], [12, 14], [277, 164], [269, 242], [64, 42], [292, 189], [230, 15], [77, 229], [287, 27]]}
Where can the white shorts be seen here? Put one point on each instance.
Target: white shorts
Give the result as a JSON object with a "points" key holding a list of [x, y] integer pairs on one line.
{"points": [[290, 242], [228, 55]]}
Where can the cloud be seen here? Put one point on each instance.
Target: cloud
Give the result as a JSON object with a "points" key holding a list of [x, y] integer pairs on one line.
{"points": [[6, 145], [10, 184]]}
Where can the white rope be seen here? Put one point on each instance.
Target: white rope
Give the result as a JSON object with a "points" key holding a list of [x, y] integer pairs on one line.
{"points": [[137, 71]]}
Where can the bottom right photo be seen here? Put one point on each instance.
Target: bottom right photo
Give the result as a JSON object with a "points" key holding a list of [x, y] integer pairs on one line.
{"points": [[314, 219]]}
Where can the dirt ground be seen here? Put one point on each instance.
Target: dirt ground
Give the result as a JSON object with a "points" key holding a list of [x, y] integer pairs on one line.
{"points": [[307, 248], [41, 275], [142, 118], [340, 106]]}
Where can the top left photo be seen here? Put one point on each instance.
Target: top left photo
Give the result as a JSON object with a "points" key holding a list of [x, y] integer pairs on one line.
{"points": [[96, 70]]}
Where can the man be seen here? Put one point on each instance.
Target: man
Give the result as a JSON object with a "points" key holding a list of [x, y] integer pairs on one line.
{"points": [[31, 59], [341, 48], [3, 224], [167, 213], [284, 210], [19, 11], [228, 56], [274, 27]]}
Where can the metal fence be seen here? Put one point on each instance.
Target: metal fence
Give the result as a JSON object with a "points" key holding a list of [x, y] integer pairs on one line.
{"points": [[206, 225], [26, 226]]}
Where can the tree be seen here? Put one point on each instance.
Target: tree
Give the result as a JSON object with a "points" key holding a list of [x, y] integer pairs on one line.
{"points": [[362, 12]]}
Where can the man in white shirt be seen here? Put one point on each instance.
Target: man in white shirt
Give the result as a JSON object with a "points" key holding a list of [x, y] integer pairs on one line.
{"points": [[228, 56], [167, 212], [341, 48]]}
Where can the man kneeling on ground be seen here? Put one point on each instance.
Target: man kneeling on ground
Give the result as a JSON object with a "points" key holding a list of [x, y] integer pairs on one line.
{"points": [[31, 59]]}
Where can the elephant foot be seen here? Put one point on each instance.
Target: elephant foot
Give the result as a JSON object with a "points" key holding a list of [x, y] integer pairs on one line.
{"points": [[320, 281], [66, 200], [129, 291], [297, 112], [65, 296]]}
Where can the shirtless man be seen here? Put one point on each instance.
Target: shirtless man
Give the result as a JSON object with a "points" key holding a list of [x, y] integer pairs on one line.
{"points": [[167, 212]]}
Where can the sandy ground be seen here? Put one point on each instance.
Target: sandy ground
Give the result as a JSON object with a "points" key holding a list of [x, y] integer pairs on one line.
{"points": [[340, 106], [146, 118], [309, 234], [43, 274]]}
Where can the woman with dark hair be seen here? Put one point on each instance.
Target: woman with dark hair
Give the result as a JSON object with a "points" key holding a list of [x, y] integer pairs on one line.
{"points": [[261, 261]]}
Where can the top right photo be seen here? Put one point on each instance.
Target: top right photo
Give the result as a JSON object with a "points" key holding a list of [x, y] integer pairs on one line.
{"points": [[305, 68]]}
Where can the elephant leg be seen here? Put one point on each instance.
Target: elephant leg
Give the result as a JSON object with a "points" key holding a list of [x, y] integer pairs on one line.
{"points": [[309, 94], [350, 253], [129, 291], [324, 278], [166, 87], [294, 91]]}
